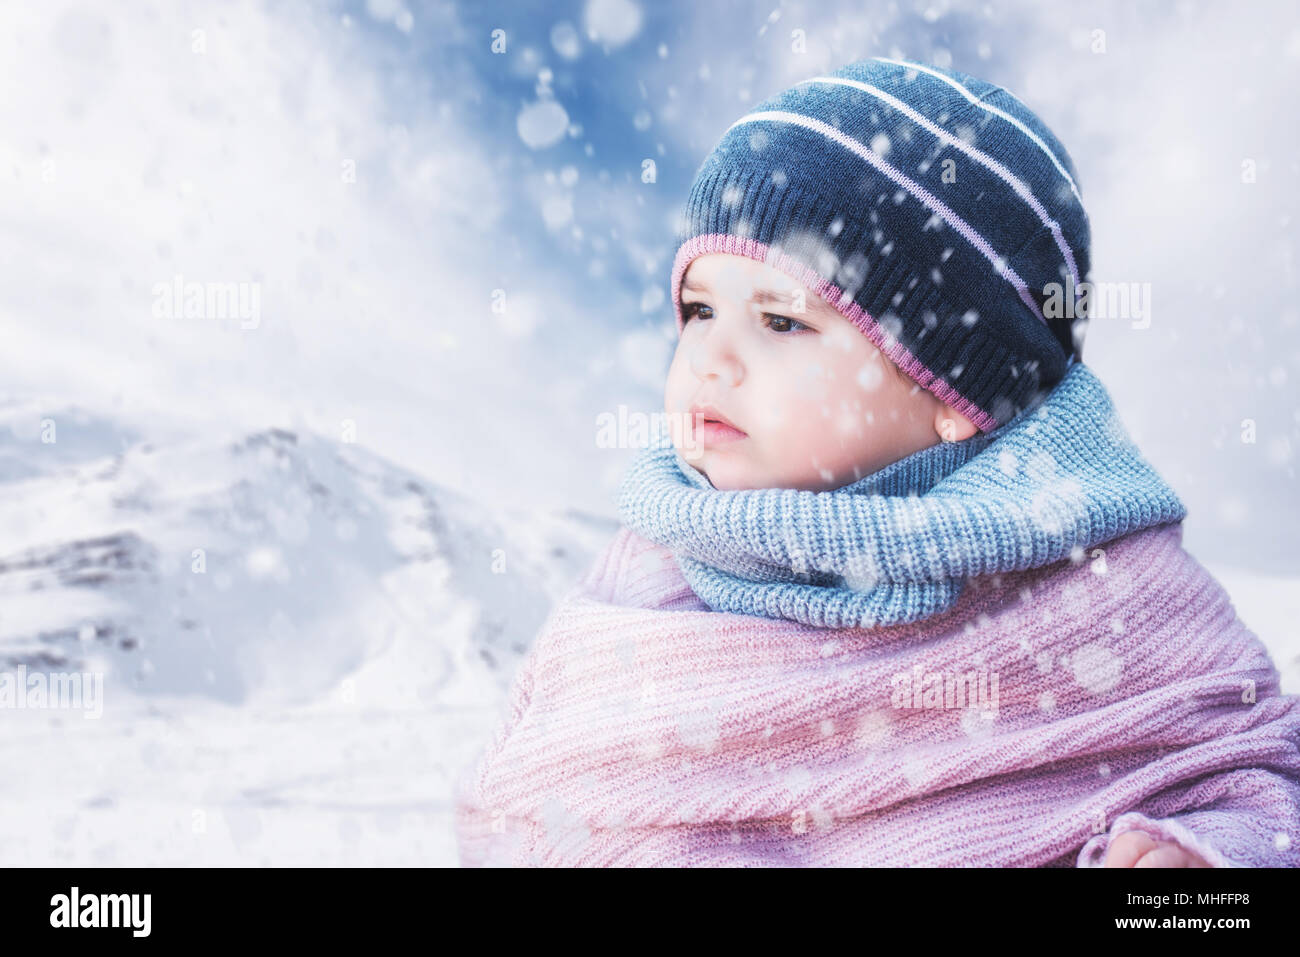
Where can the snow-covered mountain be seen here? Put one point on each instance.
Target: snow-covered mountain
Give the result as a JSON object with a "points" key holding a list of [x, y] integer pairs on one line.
{"points": [[261, 567], [301, 642]]}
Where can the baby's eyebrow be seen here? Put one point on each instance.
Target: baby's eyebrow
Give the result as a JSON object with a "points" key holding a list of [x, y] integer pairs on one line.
{"points": [[813, 304], [762, 296]]}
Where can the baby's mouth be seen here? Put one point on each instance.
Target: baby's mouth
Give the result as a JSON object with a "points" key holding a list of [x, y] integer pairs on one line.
{"points": [[715, 431]]}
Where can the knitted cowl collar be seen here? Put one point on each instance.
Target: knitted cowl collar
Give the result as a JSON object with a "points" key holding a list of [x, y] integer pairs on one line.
{"points": [[898, 545]]}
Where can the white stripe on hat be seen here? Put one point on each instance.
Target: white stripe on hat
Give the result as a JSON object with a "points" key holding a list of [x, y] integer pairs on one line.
{"points": [[996, 112], [983, 158], [916, 189]]}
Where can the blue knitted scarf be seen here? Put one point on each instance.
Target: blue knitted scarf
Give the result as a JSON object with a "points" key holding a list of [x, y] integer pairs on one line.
{"points": [[899, 544]]}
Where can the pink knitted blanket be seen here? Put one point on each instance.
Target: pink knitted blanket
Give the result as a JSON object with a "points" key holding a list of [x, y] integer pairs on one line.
{"points": [[1046, 712]]}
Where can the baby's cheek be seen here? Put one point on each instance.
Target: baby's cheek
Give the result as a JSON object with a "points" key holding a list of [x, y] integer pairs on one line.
{"points": [[681, 389], [774, 416], [772, 422], [814, 382], [813, 434]]}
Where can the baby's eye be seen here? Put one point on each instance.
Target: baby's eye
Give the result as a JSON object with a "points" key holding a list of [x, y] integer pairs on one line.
{"points": [[784, 323], [691, 309]]}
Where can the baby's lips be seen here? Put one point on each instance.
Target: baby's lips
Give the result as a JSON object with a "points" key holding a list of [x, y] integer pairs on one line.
{"points": [[711, 415]]}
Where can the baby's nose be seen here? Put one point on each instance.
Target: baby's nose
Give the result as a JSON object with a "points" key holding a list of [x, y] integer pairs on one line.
{"points": [[717, 360]]}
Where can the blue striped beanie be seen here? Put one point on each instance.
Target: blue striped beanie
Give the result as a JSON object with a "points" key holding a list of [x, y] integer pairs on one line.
{"points": [[932, 209]]}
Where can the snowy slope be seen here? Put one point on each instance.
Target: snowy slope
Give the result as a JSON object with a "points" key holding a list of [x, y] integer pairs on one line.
{"points": [[263, 567], [337, 655]]}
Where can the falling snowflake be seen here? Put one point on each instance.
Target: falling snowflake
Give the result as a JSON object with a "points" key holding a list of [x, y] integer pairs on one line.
{"points": [[542, 124], [797, 779], [874, 730], [915, 770], [698, 727], [861, 572], [564, 829], [1095, 667], [612, 22], [976, 723]]}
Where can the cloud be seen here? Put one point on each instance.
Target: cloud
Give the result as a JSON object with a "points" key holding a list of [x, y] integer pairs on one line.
{"points": [[281, 146]]}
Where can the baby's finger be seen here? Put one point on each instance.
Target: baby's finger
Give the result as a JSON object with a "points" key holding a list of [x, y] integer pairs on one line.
{"points": [[1166, 855], [1128, 848]]}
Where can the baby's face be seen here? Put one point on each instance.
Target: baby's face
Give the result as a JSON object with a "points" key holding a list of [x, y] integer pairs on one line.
{"points": [[814, 403]]}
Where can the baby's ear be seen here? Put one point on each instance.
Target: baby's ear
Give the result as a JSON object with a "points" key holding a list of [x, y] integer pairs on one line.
{"points": [[951, 425]]}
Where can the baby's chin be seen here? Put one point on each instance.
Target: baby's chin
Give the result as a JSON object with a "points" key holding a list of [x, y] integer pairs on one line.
{"points": [[729, 476], [732, 467], [736, 476]]}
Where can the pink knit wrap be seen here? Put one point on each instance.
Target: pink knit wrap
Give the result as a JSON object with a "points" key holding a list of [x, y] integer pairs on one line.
{"points": [[644, 729]]}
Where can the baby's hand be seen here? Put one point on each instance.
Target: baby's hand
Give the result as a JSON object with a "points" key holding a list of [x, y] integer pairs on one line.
{"points": [[1135, 849]]}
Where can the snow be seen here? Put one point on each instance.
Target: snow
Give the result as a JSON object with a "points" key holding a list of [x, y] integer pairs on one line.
{"points": [[612, 22], [542, 124], [305, 697]]}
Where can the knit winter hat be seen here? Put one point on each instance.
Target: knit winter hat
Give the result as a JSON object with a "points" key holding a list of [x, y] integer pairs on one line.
{"points": [[931, 208]]}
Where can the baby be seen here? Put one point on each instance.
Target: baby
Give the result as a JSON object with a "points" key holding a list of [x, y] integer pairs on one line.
{"points": [[776, 389], [896, 574]]}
